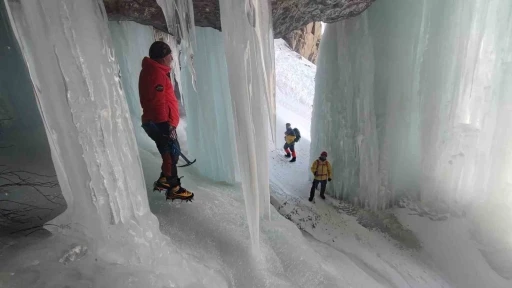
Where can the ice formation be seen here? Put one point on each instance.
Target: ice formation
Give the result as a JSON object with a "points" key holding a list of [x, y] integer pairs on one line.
{"points": [[131, 42], [416, 101], [210, 126], [179, 15], [248, 43], [68, 51]]}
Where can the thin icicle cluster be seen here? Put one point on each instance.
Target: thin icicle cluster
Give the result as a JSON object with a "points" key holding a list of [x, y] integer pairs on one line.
{"points": [[179, 15]]}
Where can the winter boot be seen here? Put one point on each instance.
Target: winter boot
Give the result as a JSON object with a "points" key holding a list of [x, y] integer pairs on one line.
{"points": [[161, 184], [293, 159], [310, 199], [322, 196], [288, 155], [178, 192]]}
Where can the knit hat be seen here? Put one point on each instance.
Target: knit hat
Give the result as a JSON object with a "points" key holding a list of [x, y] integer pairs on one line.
{"points": [[159, 50], [323, 154], [288, 125]]}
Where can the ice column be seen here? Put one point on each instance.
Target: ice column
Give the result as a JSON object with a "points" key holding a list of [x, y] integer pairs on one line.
{"points": [[247, 30], [210, 126], [343, 110], [414, 101], [67, 47]]}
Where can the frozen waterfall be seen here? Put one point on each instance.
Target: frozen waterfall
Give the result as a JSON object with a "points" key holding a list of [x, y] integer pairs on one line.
{"points": [[413, 99], [210, 126], [248, 41]]}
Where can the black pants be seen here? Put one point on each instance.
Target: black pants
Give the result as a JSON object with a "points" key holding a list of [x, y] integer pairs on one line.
{"points": [[323, 184], [290, 146], [168, 148]]}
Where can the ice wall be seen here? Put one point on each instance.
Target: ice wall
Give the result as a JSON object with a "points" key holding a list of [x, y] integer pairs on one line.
{"points": [[412, 98], [248, 40], [68, 51], [210, 126], [131, 43]]}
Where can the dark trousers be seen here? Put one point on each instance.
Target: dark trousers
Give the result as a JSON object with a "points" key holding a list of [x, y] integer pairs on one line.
{"points": [[291, 148], [323, 184], [159, 132]]}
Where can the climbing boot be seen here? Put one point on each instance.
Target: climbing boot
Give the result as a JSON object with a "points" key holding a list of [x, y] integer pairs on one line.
{"points": [[161, 184], [178, 192]]}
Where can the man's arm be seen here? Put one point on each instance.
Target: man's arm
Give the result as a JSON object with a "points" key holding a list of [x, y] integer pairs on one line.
{"points": [[314, 167]]}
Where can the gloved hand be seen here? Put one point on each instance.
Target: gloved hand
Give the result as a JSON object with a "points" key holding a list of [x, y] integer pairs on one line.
{"points": [[172, 133], [315, 174], [329, 179]]}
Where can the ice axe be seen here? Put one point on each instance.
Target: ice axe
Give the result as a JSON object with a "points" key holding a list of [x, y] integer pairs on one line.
{"points": [[183, 156]]}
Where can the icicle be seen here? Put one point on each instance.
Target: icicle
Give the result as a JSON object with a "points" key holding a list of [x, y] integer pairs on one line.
{"points": [[248, 42], [179, 15]]}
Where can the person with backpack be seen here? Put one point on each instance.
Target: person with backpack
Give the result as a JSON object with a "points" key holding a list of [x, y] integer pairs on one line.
{"points": [[322, 171], [291, 136]]}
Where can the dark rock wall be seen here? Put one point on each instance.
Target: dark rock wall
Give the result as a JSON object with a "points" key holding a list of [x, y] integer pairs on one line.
{"points": [[288, 15]]}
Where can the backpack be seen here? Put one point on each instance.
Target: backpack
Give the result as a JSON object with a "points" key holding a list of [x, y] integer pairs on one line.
{"points": [[297, 134]]}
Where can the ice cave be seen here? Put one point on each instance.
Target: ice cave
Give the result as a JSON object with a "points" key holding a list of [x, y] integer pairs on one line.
{"points": [[410, 99]]}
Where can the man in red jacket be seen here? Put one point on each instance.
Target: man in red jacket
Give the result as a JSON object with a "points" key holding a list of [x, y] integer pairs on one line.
{"points": [[160, 116]]}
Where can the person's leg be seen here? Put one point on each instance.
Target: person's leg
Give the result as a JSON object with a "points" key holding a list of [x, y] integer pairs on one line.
{"points": [[313, 188], [155, 134], [285, 147], [164, 148], [176, 191], [323, 184], [294, 156]]}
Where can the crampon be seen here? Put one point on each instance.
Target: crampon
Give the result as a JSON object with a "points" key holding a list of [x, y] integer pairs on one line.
{"points": [[176, 193], [158, 187], [172, 198]]}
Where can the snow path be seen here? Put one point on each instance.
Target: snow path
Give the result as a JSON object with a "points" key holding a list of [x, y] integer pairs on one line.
{"points": [[213, 230]]}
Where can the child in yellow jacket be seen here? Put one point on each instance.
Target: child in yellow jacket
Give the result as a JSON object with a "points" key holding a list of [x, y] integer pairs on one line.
{"points": [[322, 170]]}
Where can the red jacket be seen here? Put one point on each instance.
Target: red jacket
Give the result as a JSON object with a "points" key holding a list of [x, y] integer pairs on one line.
{"points": [[159, 104]]}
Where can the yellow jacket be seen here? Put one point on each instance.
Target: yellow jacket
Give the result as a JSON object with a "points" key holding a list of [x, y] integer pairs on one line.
{"points": [[321, 169], [289, 136], [289, 139]]}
